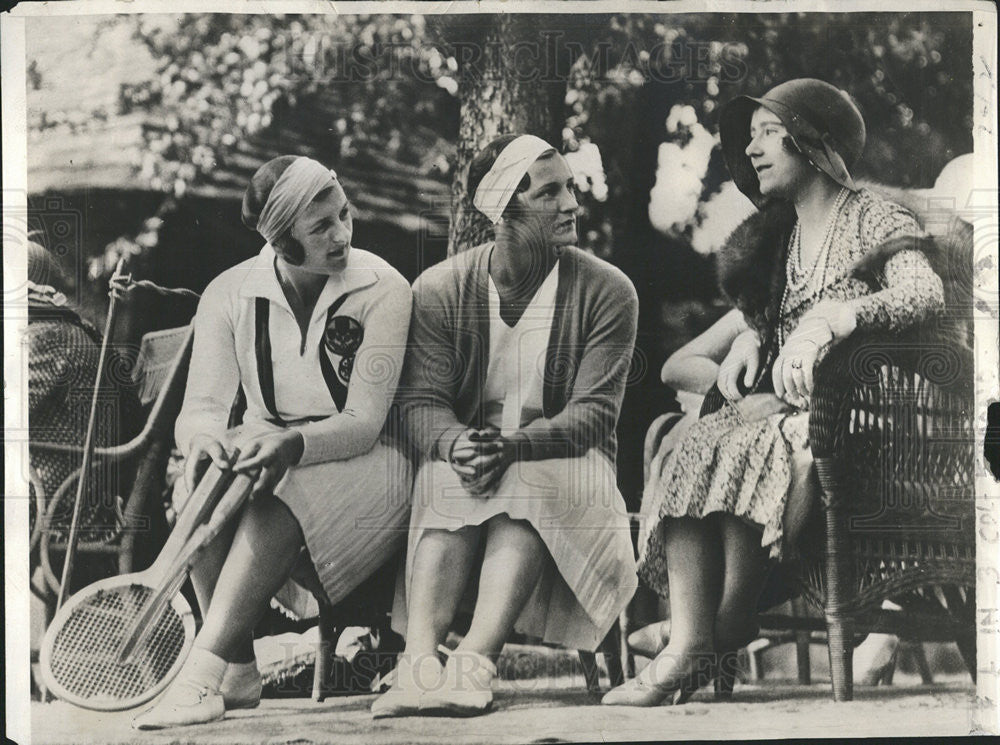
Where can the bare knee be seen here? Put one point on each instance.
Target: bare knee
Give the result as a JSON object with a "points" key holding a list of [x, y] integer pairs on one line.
{"points": [[269, 521], [504, 524]]}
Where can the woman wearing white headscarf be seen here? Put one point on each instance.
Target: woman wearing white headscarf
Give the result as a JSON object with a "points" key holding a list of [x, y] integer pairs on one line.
{"points": [[519, 354], [313, 332]]}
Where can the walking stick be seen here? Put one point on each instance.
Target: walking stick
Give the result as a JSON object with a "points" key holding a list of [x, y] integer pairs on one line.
{"points": [[88, 443]]}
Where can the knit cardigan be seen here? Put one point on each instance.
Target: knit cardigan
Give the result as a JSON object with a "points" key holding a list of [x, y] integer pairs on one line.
{"points": [[586, 365]]}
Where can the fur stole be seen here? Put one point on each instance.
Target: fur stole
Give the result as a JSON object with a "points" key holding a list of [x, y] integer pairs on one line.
{"points": [[752, 260]]}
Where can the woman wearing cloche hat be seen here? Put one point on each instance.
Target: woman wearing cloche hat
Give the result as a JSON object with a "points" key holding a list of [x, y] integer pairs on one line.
{"points": [[717, 502]]}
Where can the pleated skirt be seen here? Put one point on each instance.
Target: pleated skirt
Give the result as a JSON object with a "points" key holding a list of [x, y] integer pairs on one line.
{"points": [[354, 516], [577, 510]]}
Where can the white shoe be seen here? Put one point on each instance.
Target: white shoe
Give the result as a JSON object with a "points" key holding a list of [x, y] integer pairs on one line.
{"points": [[466, 688], [184, 703], [242, 687], [875, 659], [412, 680]]}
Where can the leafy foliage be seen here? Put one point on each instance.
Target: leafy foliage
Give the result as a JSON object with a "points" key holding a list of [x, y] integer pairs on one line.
{"points": [[224, 78]]}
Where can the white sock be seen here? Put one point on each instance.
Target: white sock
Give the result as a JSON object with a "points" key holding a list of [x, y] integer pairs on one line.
{"points": [[203, 669], [240, 675]]}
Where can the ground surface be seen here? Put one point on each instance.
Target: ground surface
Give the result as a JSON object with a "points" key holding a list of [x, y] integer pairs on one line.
{"points": [[557, 710]]}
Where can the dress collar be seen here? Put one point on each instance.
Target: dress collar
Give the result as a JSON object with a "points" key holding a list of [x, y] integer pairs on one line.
{"points": [[262, 281]]}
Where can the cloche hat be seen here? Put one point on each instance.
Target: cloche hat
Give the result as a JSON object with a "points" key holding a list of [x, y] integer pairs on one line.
{"points": [[824, 122]]}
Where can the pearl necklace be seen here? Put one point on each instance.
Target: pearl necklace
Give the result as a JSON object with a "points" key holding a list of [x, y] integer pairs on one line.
{"points": [[793, 267]]}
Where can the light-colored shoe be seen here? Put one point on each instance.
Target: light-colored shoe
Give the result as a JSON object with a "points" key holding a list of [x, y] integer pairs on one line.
{"points": [[412, 679], [640, 691], [184, 703], [647, 689], [242, 687], [466, 688], [875, 659]]}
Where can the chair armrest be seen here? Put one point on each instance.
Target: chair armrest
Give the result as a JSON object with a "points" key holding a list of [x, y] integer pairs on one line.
{"points": [[892, 414], [873, 372], [132, 448]]}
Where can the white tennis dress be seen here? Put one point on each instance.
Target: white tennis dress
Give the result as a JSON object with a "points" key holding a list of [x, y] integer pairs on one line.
{"points": [[573, 503], [350, 492]]}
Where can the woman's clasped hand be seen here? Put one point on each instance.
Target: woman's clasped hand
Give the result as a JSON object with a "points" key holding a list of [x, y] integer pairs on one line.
{"points": [[481, 457]]}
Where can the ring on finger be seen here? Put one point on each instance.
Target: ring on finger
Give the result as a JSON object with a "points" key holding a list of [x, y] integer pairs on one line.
{"points": [[796, 364]]}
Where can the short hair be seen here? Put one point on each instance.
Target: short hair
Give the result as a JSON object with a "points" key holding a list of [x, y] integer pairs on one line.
{"points": [[254, 199], [484, 161]]}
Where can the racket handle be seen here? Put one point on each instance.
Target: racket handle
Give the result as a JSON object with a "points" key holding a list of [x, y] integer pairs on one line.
{"points": [[231, 501], [225, 478], [198, 507]]}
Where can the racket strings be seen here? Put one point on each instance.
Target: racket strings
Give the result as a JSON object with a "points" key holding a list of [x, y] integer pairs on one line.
{"points": [[85, 651]]}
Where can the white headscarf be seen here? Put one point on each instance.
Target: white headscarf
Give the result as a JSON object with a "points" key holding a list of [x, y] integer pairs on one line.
{"points": [[499, 184], [292, 193]]}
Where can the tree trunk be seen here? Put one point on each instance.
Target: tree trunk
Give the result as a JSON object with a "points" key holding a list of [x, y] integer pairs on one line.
{"points": [[508, 84]]}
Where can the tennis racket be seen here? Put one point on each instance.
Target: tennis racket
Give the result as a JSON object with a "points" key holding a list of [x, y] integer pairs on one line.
{"points": [[118, 642]]}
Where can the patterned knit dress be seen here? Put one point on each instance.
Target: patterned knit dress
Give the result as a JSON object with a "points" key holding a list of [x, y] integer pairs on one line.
{"points": [[726, 464]]}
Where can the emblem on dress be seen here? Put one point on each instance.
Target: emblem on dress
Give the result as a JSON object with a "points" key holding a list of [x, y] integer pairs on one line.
{"points": [[343, 337], [345, 367]]}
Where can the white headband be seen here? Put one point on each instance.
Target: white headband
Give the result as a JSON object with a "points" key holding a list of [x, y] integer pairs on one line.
{"points": [[292, 193], [497, 187]]}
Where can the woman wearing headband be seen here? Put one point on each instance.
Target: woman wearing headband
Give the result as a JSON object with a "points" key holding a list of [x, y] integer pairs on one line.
{"points": [[313, 333], [716, 505], [519, 353]]}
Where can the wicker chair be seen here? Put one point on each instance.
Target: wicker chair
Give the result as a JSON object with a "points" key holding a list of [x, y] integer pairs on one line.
{"points": [[137, 465], [892, 434]]}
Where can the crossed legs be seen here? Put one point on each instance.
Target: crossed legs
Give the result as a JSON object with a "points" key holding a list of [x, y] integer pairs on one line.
{"points": [[715, 570]]}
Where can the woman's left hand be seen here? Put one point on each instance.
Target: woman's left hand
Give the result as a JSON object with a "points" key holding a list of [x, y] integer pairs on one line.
{"points": [[792, 373], [273, 453]]}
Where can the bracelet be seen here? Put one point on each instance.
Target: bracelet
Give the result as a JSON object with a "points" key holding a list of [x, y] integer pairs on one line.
{"points": [[845, 310]]}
